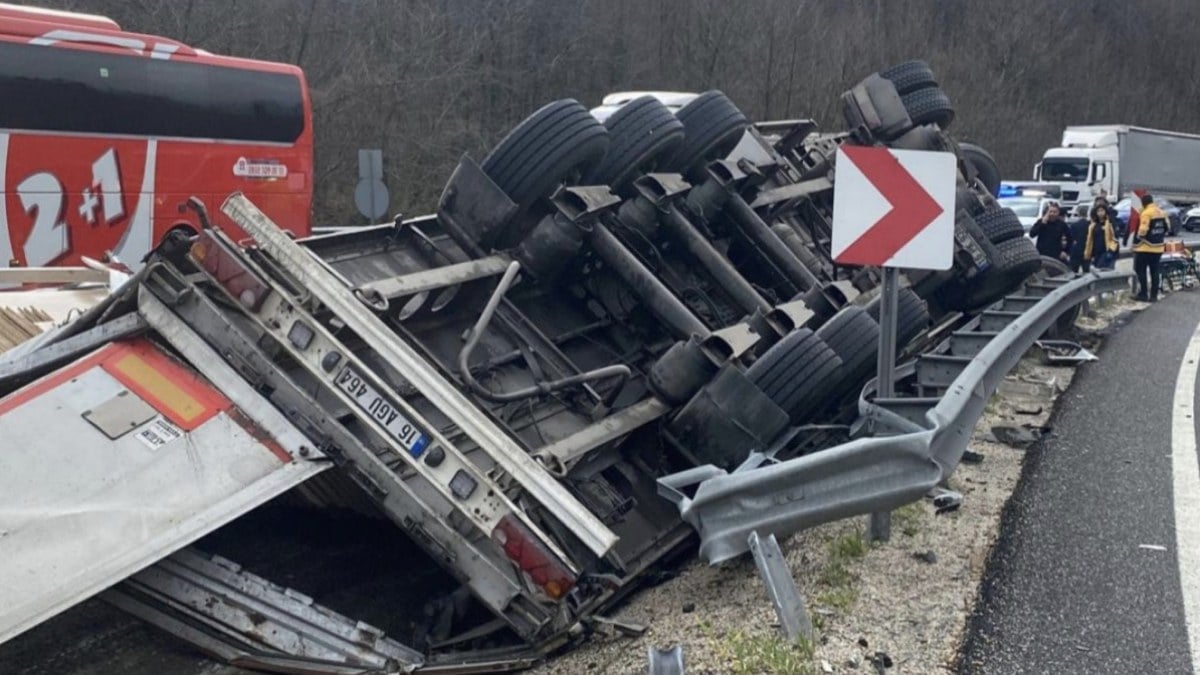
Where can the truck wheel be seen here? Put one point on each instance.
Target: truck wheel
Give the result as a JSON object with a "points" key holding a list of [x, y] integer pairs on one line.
{"points": [[854, 336], [712, 125], [559, 142], [910, 76], [796, 373], [929, 106], [1014, 262], [1000, 224], [986, 169], [640, 133], [912, 316]]}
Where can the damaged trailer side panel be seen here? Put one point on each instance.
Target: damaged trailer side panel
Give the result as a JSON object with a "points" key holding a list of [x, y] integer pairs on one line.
{"points": [[119, 459]]}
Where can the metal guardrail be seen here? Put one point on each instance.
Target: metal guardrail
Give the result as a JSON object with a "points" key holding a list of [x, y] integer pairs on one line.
{"points": [[900, 464]]}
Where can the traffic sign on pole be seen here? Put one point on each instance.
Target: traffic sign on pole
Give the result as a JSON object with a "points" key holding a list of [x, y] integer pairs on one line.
{"points": [[894, 208], [371, 195]]}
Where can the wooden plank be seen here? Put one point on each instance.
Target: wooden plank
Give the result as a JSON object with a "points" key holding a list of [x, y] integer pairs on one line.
{"points": [[51, 275]]}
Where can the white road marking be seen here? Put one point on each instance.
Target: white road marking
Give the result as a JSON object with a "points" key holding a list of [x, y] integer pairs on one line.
{"points": [[1186, 483]]}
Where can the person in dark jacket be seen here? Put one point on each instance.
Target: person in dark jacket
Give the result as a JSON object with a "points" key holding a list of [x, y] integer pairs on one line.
{"points": [[1052, 234], [1078, 228]]}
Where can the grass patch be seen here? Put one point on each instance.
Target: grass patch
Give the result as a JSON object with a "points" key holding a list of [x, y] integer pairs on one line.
{"points": [[993, 404], [848, 546], [836, 576], [753, 653], [838, 598], [907, 519]]}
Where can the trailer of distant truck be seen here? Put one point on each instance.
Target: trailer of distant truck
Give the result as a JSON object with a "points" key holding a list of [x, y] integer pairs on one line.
{"points": [[1119, 159]]}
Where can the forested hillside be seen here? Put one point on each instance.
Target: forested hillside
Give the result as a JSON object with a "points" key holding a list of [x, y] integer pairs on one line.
{"points": [[427, 80]]}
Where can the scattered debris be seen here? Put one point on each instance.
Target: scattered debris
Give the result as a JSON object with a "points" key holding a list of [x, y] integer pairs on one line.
{"points": [[944, 500], [1064, 353], [1152, 547], [826, 667], [1021, 437], [666, 661], [881, 661], [928, 557], [971, 457], [689, 607], [626, 628], [1029, 411]]}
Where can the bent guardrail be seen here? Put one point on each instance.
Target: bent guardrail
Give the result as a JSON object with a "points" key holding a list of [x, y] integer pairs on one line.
{"points": [[900, 464]]}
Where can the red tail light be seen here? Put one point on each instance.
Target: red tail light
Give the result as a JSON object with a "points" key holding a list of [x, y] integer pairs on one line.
{"points": [[229, 271], [533, 557]]}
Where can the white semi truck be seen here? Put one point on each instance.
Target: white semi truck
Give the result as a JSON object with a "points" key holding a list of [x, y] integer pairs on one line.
{"points": [[1121, 158]]}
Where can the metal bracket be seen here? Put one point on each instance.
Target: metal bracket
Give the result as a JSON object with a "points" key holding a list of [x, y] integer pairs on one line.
{"points": [[661, 189]]}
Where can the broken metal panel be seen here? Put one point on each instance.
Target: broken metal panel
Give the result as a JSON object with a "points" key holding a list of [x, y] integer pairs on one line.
{"points": [[92, 509], [869, 474], [666, 661], [1064, 353], [254, 614]]}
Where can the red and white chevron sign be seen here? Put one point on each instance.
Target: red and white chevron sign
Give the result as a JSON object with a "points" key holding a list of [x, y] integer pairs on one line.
{"points": [[894, 208]]}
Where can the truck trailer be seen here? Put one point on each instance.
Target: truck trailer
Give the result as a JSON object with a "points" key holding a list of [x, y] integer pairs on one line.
{"points": [[1120, 158]]}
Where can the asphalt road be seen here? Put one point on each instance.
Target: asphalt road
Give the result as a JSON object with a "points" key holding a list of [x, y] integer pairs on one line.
{"points": [[1085, 577]]}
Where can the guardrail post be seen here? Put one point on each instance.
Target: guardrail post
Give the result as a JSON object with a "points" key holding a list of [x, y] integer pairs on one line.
{"points": [[880, 526]]}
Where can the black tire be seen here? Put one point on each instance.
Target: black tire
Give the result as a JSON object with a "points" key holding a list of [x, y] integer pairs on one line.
{"points": [[986, 169], [640, 133], [929, 106], [912, 315], [712, 125], [854, 336], [1014, 262], [1000, 224], [910, 76], [966, 227], [796, 373], [559, 141]]}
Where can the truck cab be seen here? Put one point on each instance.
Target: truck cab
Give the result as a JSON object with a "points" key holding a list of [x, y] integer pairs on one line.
{"points": [[1085, 163]]}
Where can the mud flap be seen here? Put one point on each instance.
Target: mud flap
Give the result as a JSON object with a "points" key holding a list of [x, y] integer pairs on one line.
{"points": [[117, 460]]}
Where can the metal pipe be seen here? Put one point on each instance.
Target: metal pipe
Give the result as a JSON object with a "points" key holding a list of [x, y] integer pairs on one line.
{"points": [[539, 388], [770, 244], [658, 298], [713, 262]]}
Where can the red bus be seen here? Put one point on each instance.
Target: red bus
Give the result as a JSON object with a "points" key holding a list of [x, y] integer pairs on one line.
{"points": [[104, 134]]}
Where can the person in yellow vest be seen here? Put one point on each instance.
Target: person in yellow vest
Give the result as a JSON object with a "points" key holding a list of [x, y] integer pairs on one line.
{"points": [[1148, 248]]}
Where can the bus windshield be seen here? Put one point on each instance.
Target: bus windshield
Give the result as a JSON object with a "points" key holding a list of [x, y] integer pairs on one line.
{"points": [[126, 94]]}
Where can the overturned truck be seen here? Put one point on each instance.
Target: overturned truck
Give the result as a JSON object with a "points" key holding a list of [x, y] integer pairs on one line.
{"points": [[592, 309]]}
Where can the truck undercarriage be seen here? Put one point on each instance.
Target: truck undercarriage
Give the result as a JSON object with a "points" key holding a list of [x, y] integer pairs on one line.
{"points": [[593, 308]]}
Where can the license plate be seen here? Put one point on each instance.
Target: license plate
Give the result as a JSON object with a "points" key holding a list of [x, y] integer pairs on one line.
{"points": [[382, 410]]}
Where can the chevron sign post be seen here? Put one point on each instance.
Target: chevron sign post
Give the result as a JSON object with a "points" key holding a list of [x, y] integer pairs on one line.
{"points": [[893, 209]]}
